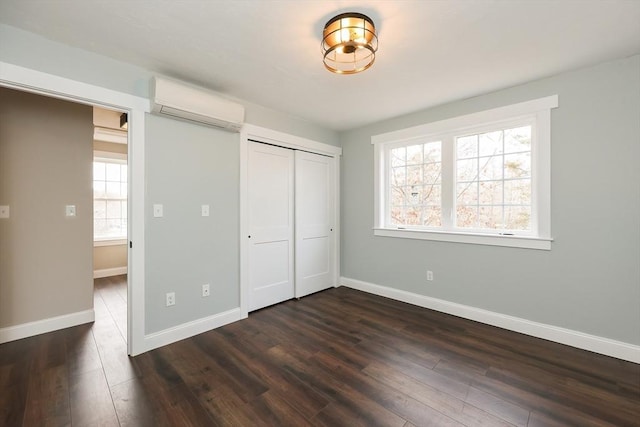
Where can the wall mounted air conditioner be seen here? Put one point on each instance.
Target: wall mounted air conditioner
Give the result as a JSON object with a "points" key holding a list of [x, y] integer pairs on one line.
{"points": [[177, 100]]}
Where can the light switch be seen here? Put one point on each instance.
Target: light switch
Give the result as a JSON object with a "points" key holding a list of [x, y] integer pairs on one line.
{"points": [[70, 210], [205, 210], [157, 211], [4, 211]]}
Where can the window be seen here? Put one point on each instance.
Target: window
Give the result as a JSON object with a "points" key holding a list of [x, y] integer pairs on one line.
{"points": [[109, 199], [481, 178]]}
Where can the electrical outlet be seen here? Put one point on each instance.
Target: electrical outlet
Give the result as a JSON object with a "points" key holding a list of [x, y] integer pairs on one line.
{"points": [[4, 211], [430, 275], [158, 211], [205, 210], [206, 290], [70, 210], [171, 299]]}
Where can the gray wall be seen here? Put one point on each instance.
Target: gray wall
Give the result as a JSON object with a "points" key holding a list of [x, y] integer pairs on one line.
{"points": [[30, 50], [188, 166], [590, 280], [45, 163]]}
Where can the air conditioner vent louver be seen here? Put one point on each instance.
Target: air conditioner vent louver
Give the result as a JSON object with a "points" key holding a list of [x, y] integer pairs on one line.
{"points": [[180, 101]]}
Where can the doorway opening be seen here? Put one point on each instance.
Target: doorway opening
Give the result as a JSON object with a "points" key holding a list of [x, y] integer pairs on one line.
{"points": [[110, 208], [55, 87]]}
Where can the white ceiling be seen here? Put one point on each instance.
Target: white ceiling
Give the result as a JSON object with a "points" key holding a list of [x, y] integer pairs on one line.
{"points": [[268, 51]]}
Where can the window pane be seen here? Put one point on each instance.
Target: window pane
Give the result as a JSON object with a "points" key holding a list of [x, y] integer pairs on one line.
{"points": [[414, 154], [490, 193], [99, 190], [413, 195], [99, 209], [114, 209], [398, 176], [397, 196], [490, 143], [433, 152], [113, 172], [110, 214], [398, 156], [432, 216], [467, 170], [114, 228], [517, 192], [517, 218], [413, 216], [431, 195], [517, 165], [467, 146], [397, 215], [113, 190], [517, 139], [467, 193], [490, 217], [99, 227], [490, 168], [414, 175], [432, 173], [98, 171], [466, 216]]}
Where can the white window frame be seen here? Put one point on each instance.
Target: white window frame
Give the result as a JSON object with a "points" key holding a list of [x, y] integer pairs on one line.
{"points": [[110, 157], [537, 111]]}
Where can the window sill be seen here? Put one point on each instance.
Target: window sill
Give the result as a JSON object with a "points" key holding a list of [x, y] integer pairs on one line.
{"points": [[109, 242], [539, 243]]}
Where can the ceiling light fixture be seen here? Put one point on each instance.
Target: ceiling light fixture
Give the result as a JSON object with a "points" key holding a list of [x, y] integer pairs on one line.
{"points": [[349, 43]]}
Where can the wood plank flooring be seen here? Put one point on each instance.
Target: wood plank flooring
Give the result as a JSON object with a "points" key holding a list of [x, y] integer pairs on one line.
{"points": [[336, 358]]}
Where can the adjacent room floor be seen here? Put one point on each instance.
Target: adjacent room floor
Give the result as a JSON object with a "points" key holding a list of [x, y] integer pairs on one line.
{"points": [[336, 358]]}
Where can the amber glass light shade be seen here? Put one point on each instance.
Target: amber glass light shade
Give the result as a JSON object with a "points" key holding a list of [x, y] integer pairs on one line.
{"points": [[349, 43]]}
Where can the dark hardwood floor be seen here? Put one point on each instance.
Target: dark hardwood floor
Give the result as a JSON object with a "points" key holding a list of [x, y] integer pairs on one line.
{"points": [[337, 358]]}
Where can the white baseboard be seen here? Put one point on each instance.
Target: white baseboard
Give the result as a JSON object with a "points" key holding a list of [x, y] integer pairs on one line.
{"points": [[108, 272], [186, 330], [606, 346], [25, 330]]}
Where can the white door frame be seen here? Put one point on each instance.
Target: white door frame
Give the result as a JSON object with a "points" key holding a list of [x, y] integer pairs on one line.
{"points": [[28, 80], [268, 136]]}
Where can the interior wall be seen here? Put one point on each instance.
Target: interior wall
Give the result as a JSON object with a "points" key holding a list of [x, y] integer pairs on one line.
{"points": [[188, 166], [109, 257], [45, 164], [178, 255], [30, 50], [590, 280]]}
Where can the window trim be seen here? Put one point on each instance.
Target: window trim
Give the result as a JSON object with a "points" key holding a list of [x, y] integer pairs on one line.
{"points": [[540, 109], [116, 158]]}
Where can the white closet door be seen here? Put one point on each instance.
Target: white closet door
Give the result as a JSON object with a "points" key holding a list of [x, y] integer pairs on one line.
{"points": [[315, 222], [270, 224]]}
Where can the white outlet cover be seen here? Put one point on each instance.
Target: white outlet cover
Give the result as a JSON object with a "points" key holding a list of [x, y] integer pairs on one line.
{"points": [[158, 211], [205, 210], [4, 212], [206, 290], [70, 210], [171, 298]]}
